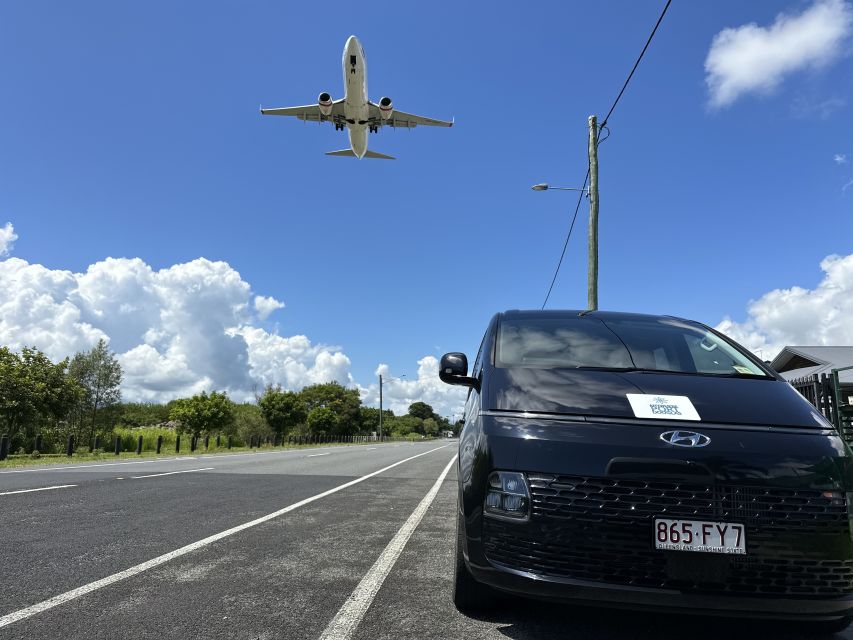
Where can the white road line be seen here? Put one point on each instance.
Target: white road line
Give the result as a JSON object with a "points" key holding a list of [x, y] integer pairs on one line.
{"points": [[169, 473], [59, 486], [180, 458], [314, 455], [350, 615], [99, 464], [370, 448], [40, 607]]}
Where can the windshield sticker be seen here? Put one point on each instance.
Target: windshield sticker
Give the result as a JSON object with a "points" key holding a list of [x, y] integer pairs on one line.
{"points": [[647, 405], [741, 369]]}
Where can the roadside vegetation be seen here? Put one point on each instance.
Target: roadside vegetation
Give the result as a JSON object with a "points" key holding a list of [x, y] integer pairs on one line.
{"points": [[45, 406]]}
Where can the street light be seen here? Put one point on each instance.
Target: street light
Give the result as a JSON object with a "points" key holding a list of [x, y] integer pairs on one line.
{"points": [[380, 401], [544, 187]]}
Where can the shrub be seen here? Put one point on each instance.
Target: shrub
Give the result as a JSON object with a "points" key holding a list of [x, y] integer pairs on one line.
{"points": [[129, 437], [35, 455]]}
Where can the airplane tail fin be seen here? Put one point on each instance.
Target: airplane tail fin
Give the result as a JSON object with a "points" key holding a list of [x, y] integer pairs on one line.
{"points": [[369, 154]]}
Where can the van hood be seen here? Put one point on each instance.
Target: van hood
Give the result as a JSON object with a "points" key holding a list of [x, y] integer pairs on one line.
{"points": [[768, 402]]}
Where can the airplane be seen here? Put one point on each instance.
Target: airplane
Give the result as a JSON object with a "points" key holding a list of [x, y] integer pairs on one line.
{"points": [[355, 111]]}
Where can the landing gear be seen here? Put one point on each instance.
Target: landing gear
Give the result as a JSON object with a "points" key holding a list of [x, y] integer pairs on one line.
{"points": [[374, 128], [339, 127]]}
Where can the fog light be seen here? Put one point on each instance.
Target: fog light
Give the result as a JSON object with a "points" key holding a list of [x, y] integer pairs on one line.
{"points": [[508, 496]]}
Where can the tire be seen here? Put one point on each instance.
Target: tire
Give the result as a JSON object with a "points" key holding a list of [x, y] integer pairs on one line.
{"points": [[828, 629], [469, 596]]}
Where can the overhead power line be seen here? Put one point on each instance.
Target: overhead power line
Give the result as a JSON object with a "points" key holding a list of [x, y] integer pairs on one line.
{"points": [[568, 235], [603, 126]]}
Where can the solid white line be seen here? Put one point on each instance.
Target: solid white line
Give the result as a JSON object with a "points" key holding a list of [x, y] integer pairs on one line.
{"points": [[152, 460], [351, 614], [55, 601], [314, 455], [99, 464], [59, 486], [169, 473]]}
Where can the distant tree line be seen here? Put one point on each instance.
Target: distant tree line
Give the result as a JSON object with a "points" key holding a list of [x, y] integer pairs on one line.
{"points": [[81, 396]]}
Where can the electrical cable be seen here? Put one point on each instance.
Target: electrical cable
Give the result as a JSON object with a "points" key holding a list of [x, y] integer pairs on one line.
{"points": [[568, 236], [601, 127]]}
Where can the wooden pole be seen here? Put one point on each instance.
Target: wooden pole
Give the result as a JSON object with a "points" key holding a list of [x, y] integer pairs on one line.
{"points": [[592, 284]]}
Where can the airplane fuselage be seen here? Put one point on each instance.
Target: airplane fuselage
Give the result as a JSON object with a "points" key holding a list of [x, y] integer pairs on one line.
{"points": [[356, 108]]}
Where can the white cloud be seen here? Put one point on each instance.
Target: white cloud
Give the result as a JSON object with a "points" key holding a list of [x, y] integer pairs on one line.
{"points": [[840, 158], [798, 316], [399, 393], [180, 330], [7, 239], [265, 305], [754, 59]]}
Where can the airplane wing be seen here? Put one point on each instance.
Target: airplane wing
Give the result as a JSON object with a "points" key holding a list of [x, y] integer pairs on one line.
{"points": [[401, 119], [308, 112]]}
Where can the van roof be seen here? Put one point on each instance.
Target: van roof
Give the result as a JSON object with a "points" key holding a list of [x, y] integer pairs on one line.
{"points": [[568, 313]]}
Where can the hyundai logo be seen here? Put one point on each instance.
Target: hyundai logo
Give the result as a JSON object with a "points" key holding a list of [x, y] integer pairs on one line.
{"points": [[685, 438]]}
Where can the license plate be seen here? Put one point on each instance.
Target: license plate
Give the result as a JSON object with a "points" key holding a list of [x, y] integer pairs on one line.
{"points": [[701, 536]]}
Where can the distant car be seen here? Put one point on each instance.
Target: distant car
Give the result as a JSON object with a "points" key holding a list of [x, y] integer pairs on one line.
{"points": [[646, 462]]}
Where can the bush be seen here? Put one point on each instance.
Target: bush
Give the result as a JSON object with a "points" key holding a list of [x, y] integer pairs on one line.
{"points": [[129, 437], [35, 455]]}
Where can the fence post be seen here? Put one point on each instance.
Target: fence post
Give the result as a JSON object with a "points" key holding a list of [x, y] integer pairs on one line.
{"points": [[118, 445], [206, 442], [229, 442], [97, 442], [139, 446], [37, 446], [4, 446], [69, 446], [159, 444], [193, 443], [178, 443], [218, 439]]}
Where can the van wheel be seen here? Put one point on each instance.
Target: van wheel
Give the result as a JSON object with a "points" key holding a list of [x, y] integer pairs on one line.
{"points": [[469, 596], [826, 629]]}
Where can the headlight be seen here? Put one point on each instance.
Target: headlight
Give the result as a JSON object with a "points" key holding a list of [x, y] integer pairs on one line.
{"points": [[508, 496]]}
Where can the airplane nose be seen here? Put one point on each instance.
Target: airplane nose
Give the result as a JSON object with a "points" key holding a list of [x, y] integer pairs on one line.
{"points": [[352, 44]]}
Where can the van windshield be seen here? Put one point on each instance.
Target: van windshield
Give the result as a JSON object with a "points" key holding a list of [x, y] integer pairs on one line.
{"points": [[660, 344]]}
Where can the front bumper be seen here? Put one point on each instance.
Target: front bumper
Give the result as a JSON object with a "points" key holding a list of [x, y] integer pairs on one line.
{"points": [[664, 600]]}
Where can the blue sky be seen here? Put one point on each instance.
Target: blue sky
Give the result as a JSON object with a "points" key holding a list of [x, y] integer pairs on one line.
{"points": [[131, 130]]}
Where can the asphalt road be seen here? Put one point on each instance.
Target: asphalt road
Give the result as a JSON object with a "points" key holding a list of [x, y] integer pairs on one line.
{"points": [[289, 544]]}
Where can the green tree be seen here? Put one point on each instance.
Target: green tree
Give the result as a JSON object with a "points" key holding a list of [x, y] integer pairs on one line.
{"points": [[422, 410], [404, 425], [369, 418], [430, 427], [99, 374], [142, 414], [249, 422], [33, 390], [281, 409], [322, 420], [212, 413], [344, 403]]}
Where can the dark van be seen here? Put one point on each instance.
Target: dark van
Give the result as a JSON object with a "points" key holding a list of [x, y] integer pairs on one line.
{"points": [[646, 462]]}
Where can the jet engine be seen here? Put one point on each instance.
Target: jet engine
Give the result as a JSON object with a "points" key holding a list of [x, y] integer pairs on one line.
{"points": [[385, 107], [324, 101]]}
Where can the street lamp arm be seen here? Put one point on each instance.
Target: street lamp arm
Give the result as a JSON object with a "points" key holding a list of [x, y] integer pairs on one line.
{"points": [[547, 187]]}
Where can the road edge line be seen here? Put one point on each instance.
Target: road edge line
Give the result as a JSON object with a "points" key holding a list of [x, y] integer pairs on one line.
{"points": [[350, 615]]}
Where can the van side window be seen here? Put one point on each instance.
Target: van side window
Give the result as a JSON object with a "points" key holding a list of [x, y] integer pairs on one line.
{"points": [[478, 363]]}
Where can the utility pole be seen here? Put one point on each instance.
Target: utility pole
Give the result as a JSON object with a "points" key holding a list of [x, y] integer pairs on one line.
{"points": [[380, 407], [592, 285]]}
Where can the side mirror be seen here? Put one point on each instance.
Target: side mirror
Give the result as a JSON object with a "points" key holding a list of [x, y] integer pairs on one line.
{"points": [[454, 370]]}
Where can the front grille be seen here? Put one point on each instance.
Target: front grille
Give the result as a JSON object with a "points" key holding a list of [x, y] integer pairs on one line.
{"points": [[601, 530]]}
